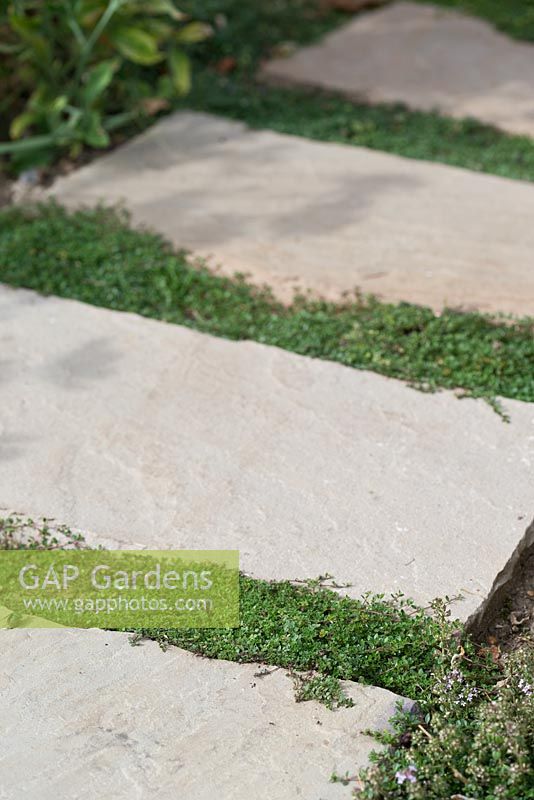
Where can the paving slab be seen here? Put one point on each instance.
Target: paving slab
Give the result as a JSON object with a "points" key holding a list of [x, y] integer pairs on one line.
{"points": [[151, 435], [328, 217], [103, 719], [427, 57]]}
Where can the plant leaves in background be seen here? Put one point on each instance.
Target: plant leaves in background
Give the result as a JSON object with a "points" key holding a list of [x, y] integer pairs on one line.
{"points": [[99, 79], [193, 32], [180, 68], [137, 45]]}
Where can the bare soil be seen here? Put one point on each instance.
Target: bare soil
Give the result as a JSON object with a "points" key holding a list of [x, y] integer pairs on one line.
{"points": [[514, 625]]}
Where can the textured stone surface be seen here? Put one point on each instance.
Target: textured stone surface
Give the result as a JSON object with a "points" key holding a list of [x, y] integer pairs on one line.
{"points": [[86, 716], [427, 57], [149, 434], [324, 216]]}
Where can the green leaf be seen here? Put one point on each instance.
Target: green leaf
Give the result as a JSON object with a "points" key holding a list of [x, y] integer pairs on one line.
{"points": [[28, 30], [41, 102], [94, 133], [159, 7], [21, 124], [99, 79], [57, 105], [193, 32], [37, 99], [137, 45], [32, 143], [114, 121], [180, 68], [159, 28]]}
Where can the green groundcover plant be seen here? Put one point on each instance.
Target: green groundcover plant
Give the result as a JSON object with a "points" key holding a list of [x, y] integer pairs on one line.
{"points": [[24, 533], [514, 17], [73, 71], [95, 256], [330, 117]]}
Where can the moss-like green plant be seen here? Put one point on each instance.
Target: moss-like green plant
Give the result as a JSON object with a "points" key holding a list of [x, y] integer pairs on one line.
{"points": [[23, 533]]}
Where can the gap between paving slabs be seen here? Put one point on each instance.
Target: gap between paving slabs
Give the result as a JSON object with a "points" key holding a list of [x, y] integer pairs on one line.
{"points": [[94, 256], [392, 128], [322, 598], [452, 708], [306, 626]]}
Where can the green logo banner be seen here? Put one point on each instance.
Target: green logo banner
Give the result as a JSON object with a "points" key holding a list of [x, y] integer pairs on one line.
{"points": [[117, 589]]}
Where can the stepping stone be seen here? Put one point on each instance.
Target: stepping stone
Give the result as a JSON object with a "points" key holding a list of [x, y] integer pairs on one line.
{"points": [[104, 719], [323, 216], [152, 435], [426, 57]]}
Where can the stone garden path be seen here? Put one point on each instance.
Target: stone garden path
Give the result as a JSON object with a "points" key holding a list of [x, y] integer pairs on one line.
{"points": [[427, 57], [144, 434]]}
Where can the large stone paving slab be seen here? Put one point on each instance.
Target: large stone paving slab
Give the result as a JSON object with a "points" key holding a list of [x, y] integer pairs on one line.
{"points": [[427, 57], [323, 216], [151, 435], [85, 716]]}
